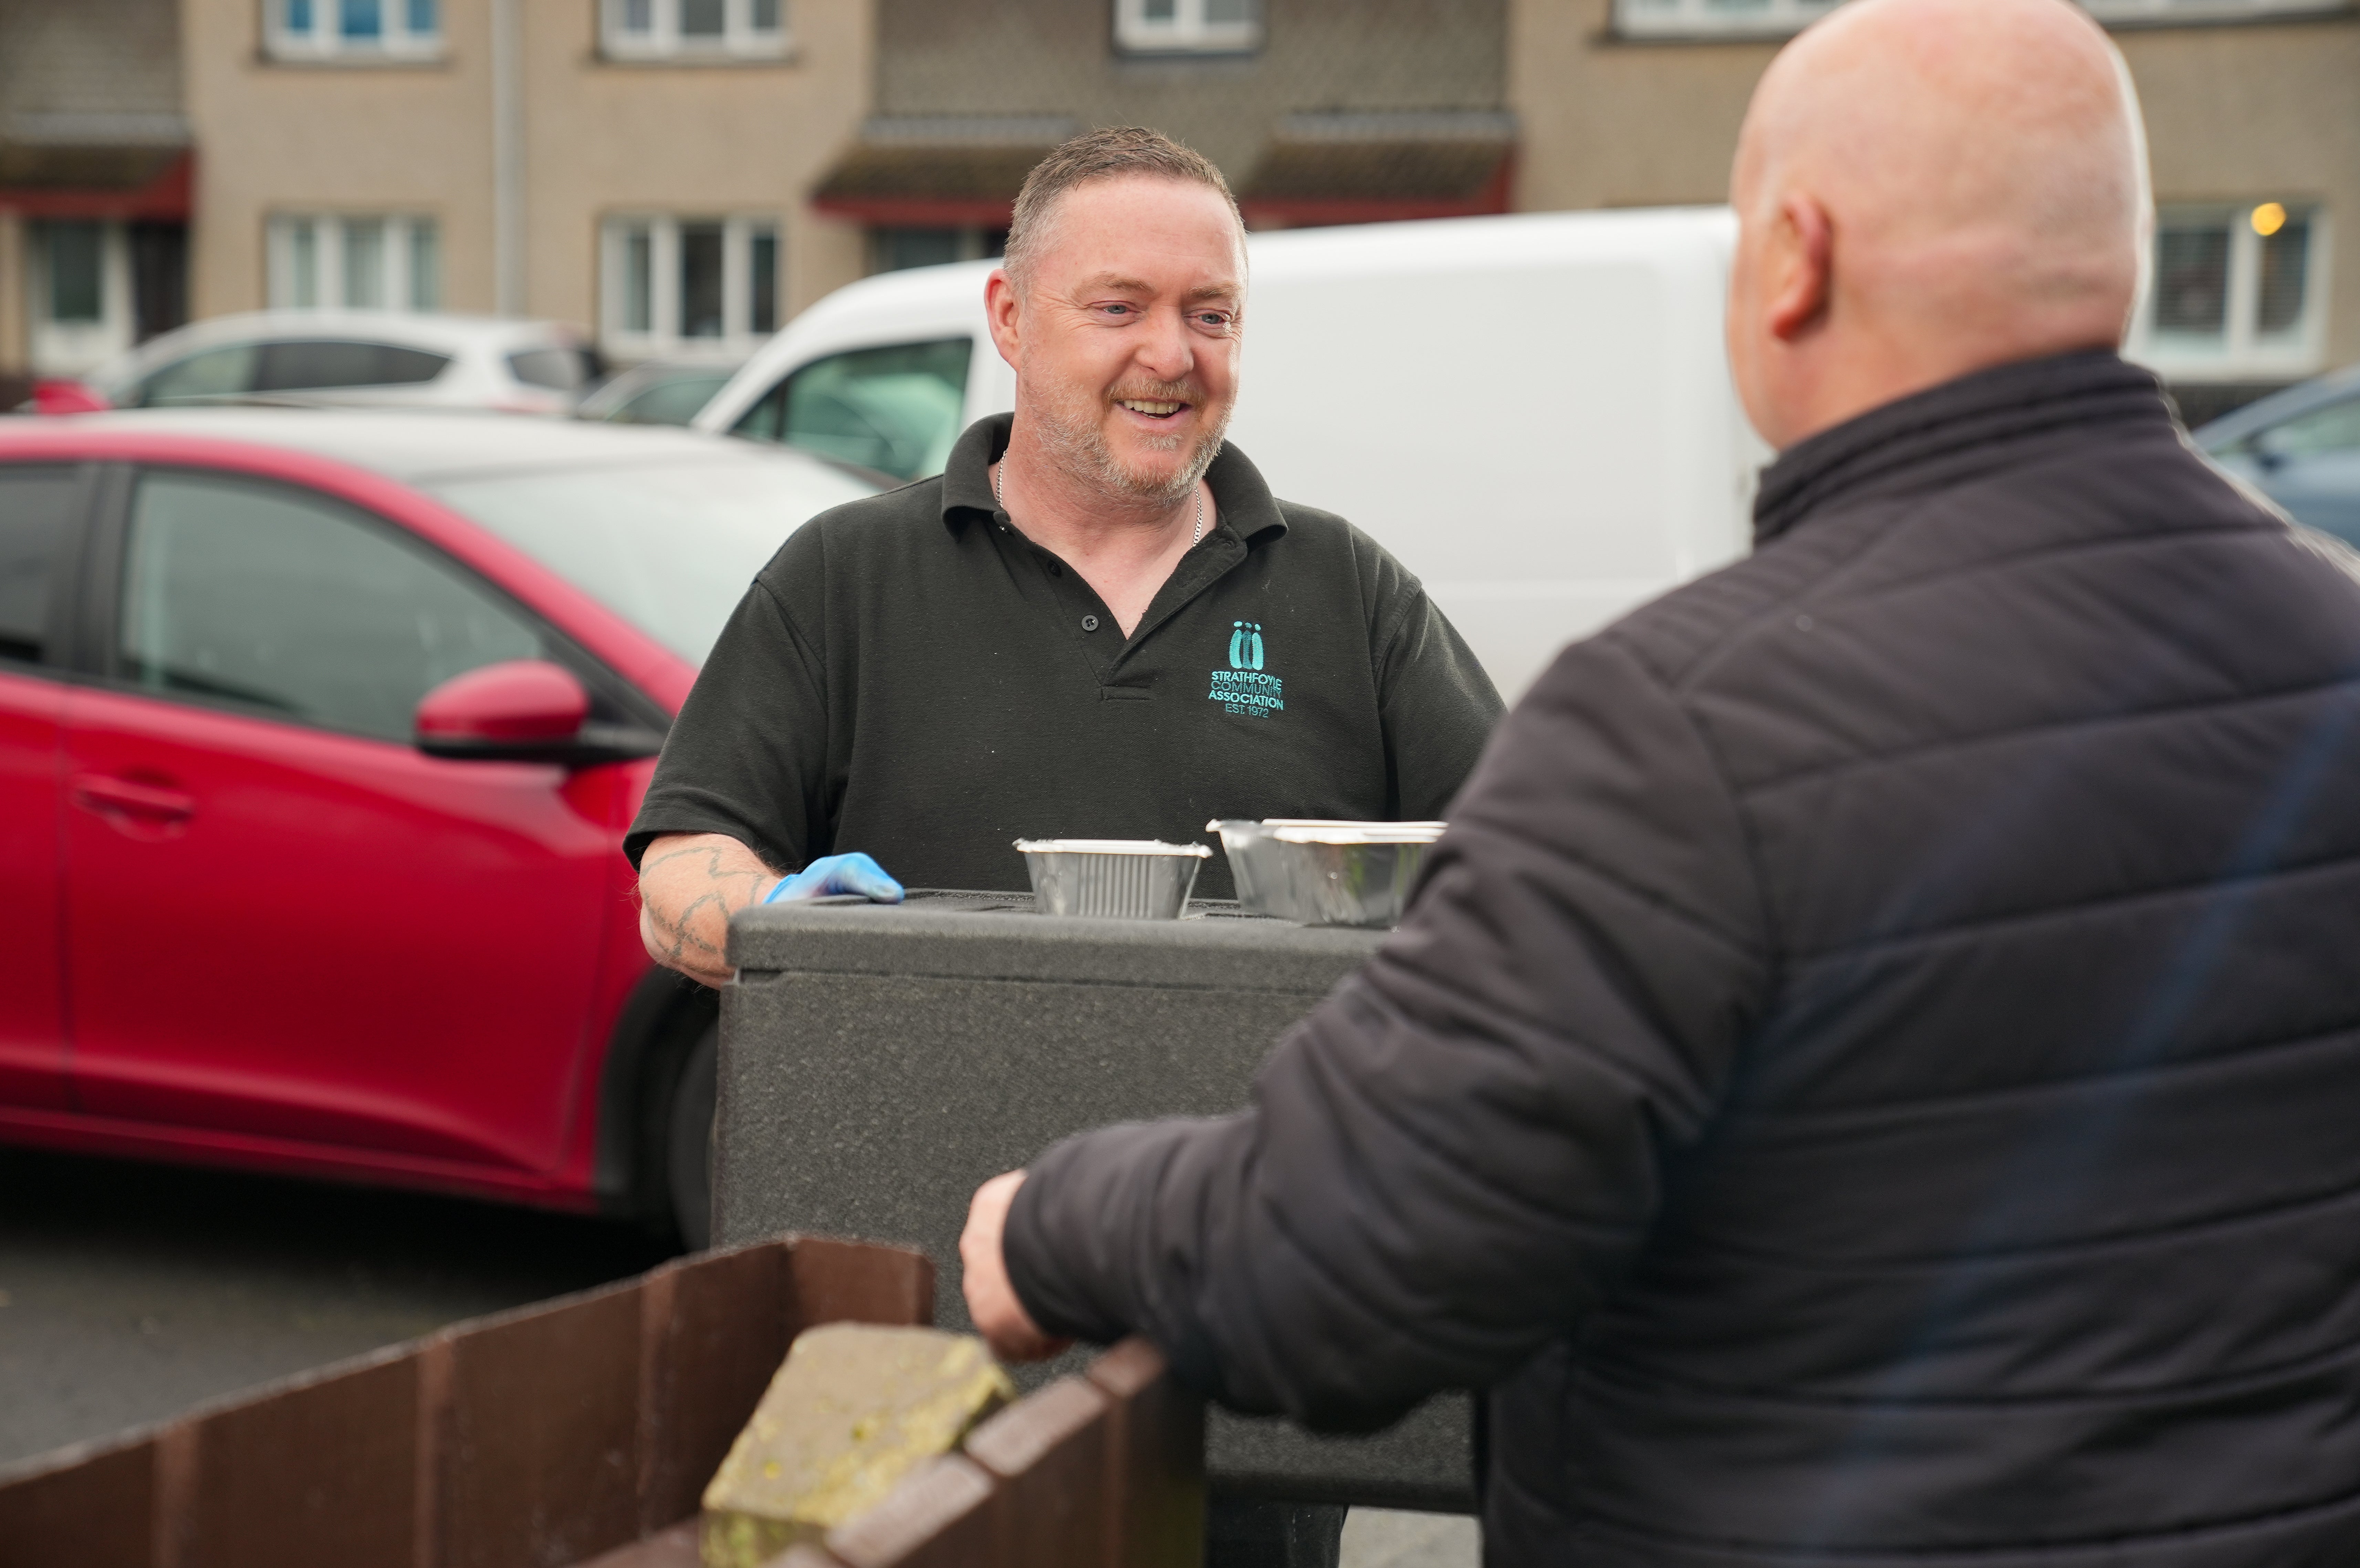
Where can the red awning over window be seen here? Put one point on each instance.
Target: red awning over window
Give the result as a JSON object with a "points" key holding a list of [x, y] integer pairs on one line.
{"points": [[153, 183]]}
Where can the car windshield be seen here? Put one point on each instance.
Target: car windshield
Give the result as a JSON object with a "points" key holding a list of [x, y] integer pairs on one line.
{"points": [[670, 545]]}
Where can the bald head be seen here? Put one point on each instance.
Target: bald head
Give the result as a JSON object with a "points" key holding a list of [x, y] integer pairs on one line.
{"points": [[1926, 188]]}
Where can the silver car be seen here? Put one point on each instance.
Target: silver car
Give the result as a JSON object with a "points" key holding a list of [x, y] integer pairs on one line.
{"points": [[383, 358]]}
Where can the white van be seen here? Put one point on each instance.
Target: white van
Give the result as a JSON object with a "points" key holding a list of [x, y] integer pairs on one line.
{"points": [[1533, 412]]}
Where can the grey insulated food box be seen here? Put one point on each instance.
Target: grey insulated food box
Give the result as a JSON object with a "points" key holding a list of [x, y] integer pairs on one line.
{"points": [[878, 1062]]}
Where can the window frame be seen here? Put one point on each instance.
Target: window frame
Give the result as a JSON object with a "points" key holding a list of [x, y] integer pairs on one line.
{"points": [[661, 337], [1649, 21], [330, 232], [1189, 32], [2242, 351], [664, 44], [326, 43]]}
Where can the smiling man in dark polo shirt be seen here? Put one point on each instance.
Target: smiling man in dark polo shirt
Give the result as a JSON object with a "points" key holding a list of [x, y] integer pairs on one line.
{"points": [[1096, 622]]}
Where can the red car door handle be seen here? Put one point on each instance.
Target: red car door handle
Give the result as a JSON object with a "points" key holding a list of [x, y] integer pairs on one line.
{"points": [[122, 796]]}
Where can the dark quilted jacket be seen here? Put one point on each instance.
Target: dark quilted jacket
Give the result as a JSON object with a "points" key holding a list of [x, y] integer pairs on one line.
{"points": [[1872, 1075]]}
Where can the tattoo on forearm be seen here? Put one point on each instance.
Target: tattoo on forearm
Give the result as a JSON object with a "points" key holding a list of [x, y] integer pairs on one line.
{"points": [[731, 888]]}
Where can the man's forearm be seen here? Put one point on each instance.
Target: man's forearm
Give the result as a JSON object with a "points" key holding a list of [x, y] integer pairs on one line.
{"points": [[690, 884]]}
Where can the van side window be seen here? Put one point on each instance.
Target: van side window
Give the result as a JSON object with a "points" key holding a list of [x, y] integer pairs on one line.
{"points": [[36, 509], [897, 409]]}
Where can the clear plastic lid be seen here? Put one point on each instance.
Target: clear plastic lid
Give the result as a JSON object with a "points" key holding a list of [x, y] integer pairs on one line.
{"points": [[1307, 830]]}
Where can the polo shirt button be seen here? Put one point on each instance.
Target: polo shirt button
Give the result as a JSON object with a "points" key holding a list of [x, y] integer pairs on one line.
{"points": [[1089, 623]]}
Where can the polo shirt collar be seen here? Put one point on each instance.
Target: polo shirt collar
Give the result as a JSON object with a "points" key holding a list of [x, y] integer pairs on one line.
{"points": [[1247, 506]]}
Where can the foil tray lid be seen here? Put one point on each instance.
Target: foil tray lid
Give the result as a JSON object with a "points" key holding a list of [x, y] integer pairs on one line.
{"points": [[1110, 846]]}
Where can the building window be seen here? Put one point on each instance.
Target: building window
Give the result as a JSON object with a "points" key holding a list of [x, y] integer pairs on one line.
{"points": [[81, 295], [1187, 26], [895, 249], [353, 30], [692, 30], [351, 261], [2238, 292], [1690, 18], [1775, 18], [674, 285]]}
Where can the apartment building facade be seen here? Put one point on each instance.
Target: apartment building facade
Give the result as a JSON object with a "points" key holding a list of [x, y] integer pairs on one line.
{"points": [[682, 176], [2252, 117], [1318, 111], [639, 166]]}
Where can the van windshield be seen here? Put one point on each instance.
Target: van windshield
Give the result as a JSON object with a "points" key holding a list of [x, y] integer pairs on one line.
{"points": [[896, 410], [669, 546]]}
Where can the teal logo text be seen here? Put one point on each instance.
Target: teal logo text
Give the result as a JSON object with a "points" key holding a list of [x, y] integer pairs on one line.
{"points": [[1243, 688]]}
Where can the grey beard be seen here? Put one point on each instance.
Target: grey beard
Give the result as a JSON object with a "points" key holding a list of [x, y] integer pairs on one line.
{"points": [[1076, 446]]}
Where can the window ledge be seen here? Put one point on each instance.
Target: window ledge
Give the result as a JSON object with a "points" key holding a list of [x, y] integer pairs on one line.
{"points": [[1612, 37], [1221, 46], [2342, 17], [437, 60], [1181, 55], [696, 59]]}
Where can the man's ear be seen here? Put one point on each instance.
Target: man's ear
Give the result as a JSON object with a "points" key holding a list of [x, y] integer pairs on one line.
{"points": [[1803, 268], [1000, 308]]}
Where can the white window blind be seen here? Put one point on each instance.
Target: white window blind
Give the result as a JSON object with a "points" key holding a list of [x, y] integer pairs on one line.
{"points": [[356, 261], [2238, 292]]}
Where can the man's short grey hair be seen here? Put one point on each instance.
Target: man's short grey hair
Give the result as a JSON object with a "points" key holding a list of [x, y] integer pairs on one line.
{"points": [[1100, 154]]}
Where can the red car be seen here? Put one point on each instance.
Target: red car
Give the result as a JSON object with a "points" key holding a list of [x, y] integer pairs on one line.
{"points": [[319, 733]]}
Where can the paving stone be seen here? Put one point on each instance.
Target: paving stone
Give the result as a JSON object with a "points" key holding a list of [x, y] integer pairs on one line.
{"points": [[853, 1410]]}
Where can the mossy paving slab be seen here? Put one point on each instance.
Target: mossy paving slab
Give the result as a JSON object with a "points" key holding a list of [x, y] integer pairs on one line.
{"points": [[853, 1410]]}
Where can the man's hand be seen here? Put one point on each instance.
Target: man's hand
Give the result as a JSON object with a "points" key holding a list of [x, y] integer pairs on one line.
{"points": [[690, 884], [991, 1300]]}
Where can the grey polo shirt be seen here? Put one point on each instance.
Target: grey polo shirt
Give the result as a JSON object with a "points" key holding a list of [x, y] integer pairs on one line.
{"points": [[911, 677]]}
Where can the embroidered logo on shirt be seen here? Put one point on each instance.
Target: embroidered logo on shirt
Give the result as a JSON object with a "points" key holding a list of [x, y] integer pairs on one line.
{"points": [[1243, 688]]}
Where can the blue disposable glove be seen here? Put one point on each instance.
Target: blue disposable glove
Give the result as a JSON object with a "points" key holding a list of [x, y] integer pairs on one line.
{"points": [[832, 875]]}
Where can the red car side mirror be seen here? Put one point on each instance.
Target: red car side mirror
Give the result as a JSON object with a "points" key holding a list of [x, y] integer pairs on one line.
{"points": [[527, 710]]}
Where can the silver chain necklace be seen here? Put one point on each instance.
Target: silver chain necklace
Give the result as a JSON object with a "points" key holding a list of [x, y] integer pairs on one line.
{"points": [[1193, 539]]}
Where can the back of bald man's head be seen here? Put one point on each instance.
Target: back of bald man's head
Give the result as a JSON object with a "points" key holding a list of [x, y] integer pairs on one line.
{"points": [[1981, 162]]}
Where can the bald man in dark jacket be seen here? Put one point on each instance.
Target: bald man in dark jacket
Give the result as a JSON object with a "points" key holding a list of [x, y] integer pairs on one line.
{"points": [[1871, 1075]]}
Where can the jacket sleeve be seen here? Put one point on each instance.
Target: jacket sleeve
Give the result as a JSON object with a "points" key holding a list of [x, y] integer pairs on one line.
{"points": [[1449, 1159], [748, 755]]}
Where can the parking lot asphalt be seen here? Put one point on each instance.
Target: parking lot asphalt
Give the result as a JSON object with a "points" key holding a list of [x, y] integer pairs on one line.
{"points": [[129, 1291]]}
